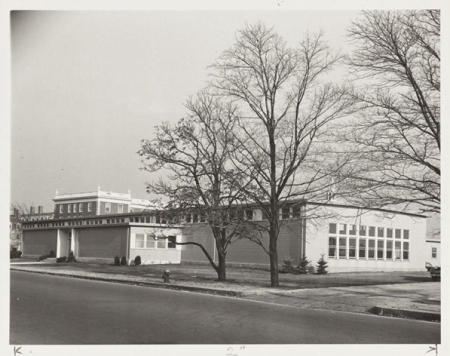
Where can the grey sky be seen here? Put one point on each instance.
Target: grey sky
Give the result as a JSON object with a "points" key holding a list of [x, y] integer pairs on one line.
{"points": [[88, 86]]}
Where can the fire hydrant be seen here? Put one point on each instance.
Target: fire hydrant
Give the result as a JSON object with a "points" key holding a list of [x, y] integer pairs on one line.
{"points": [[166, 276]]}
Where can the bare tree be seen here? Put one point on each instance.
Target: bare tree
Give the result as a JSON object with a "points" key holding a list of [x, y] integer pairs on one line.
{"points": [[202, 182], [395, 139], [283, 110]]}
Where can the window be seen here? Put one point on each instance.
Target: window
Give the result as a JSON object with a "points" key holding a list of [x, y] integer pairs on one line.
{"points": [[188, 218], [433, 252], [80, 207], [120, 209], [142, 219], [352, 248], [202, 217], [171, 242], [389, 233], [139, 241], [69, 208], [89, 207], [398, 250], [107, 207], [372, 231], [332, 247], [362, 248], [362, 230], [405, 250], [150, 242], [75, 208], [398, 233], [61, 207], [195, 218], [285, 213], [380, 249], [296, 211], [161, 243], [249, 214], [343, 229], [342, 247], [406, 234], [352, 230], [332, 228], [381, 232], [371, 249], [147, 219], [389, 250]]}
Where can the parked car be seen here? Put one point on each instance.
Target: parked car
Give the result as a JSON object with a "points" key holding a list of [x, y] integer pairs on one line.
{"points": [[435, 271]]}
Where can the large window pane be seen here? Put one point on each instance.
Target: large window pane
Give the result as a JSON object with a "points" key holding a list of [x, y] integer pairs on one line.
{"points": [[389, 232], [150, 243], [343, 229], [342, 247], [332, 228], [398, 233], [397, 250], [381, 232], [380, 249], [389, 250], [405, 250], [362, 230], [161, 243], [406, 234], [139, 241], [352, 230], [371, 248], [362, 248], [332, 247], [352, 248], [372, 231], [171, 242]]}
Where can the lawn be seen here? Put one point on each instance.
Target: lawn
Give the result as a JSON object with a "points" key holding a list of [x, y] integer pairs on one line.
{"points": [[245, 276]]}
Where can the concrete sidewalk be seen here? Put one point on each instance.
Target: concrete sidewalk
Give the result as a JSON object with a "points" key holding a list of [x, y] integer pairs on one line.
{"points": [[412, 300]]}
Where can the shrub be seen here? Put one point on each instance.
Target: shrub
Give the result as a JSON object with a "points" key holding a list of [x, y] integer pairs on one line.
{"points": [[137, 260], [71, 257], [61, 259], [322, 266], [117, 261], [123, 261], [51, 254], [288, 265], [42, 257], [302, 266], [15, 253]]}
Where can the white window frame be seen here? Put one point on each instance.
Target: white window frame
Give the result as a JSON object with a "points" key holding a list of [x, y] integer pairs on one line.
{"points": [[108, 208], [89, 208], [69, 208], [120, 209], [61, 208], [80, 207], [75, 206]]}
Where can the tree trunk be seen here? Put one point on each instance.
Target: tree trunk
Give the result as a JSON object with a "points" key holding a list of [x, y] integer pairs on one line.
{"points": [[221, 271], [273, 254]]}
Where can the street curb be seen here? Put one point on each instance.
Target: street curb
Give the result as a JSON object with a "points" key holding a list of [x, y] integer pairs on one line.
{"points": [[406, 314], [228, 293]]}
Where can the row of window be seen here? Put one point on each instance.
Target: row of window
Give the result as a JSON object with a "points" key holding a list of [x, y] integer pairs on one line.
{"points": [[78, 208], [363, 248], [371, 231], [147, 241]]}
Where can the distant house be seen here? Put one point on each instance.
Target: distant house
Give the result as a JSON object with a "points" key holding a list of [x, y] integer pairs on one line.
{"points": [[99, 225]]}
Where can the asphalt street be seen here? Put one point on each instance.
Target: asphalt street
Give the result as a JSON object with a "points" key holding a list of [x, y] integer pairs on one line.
{"points": [[48, 310]]}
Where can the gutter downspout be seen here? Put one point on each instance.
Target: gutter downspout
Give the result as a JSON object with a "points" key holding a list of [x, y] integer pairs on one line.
{"points": [[128, 246]]}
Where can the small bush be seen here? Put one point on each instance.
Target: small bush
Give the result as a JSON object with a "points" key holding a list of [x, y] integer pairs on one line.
{"points": [[15, 253], [42, 257], [302, 266], [322, 266], [123, 261], [137, 260], [71, 257], [51, 254], [61, 259], [117, 261], [288, 265]]}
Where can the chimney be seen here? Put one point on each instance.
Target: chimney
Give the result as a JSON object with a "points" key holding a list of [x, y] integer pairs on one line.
{"points": [[40, 209], [32, 210]]}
